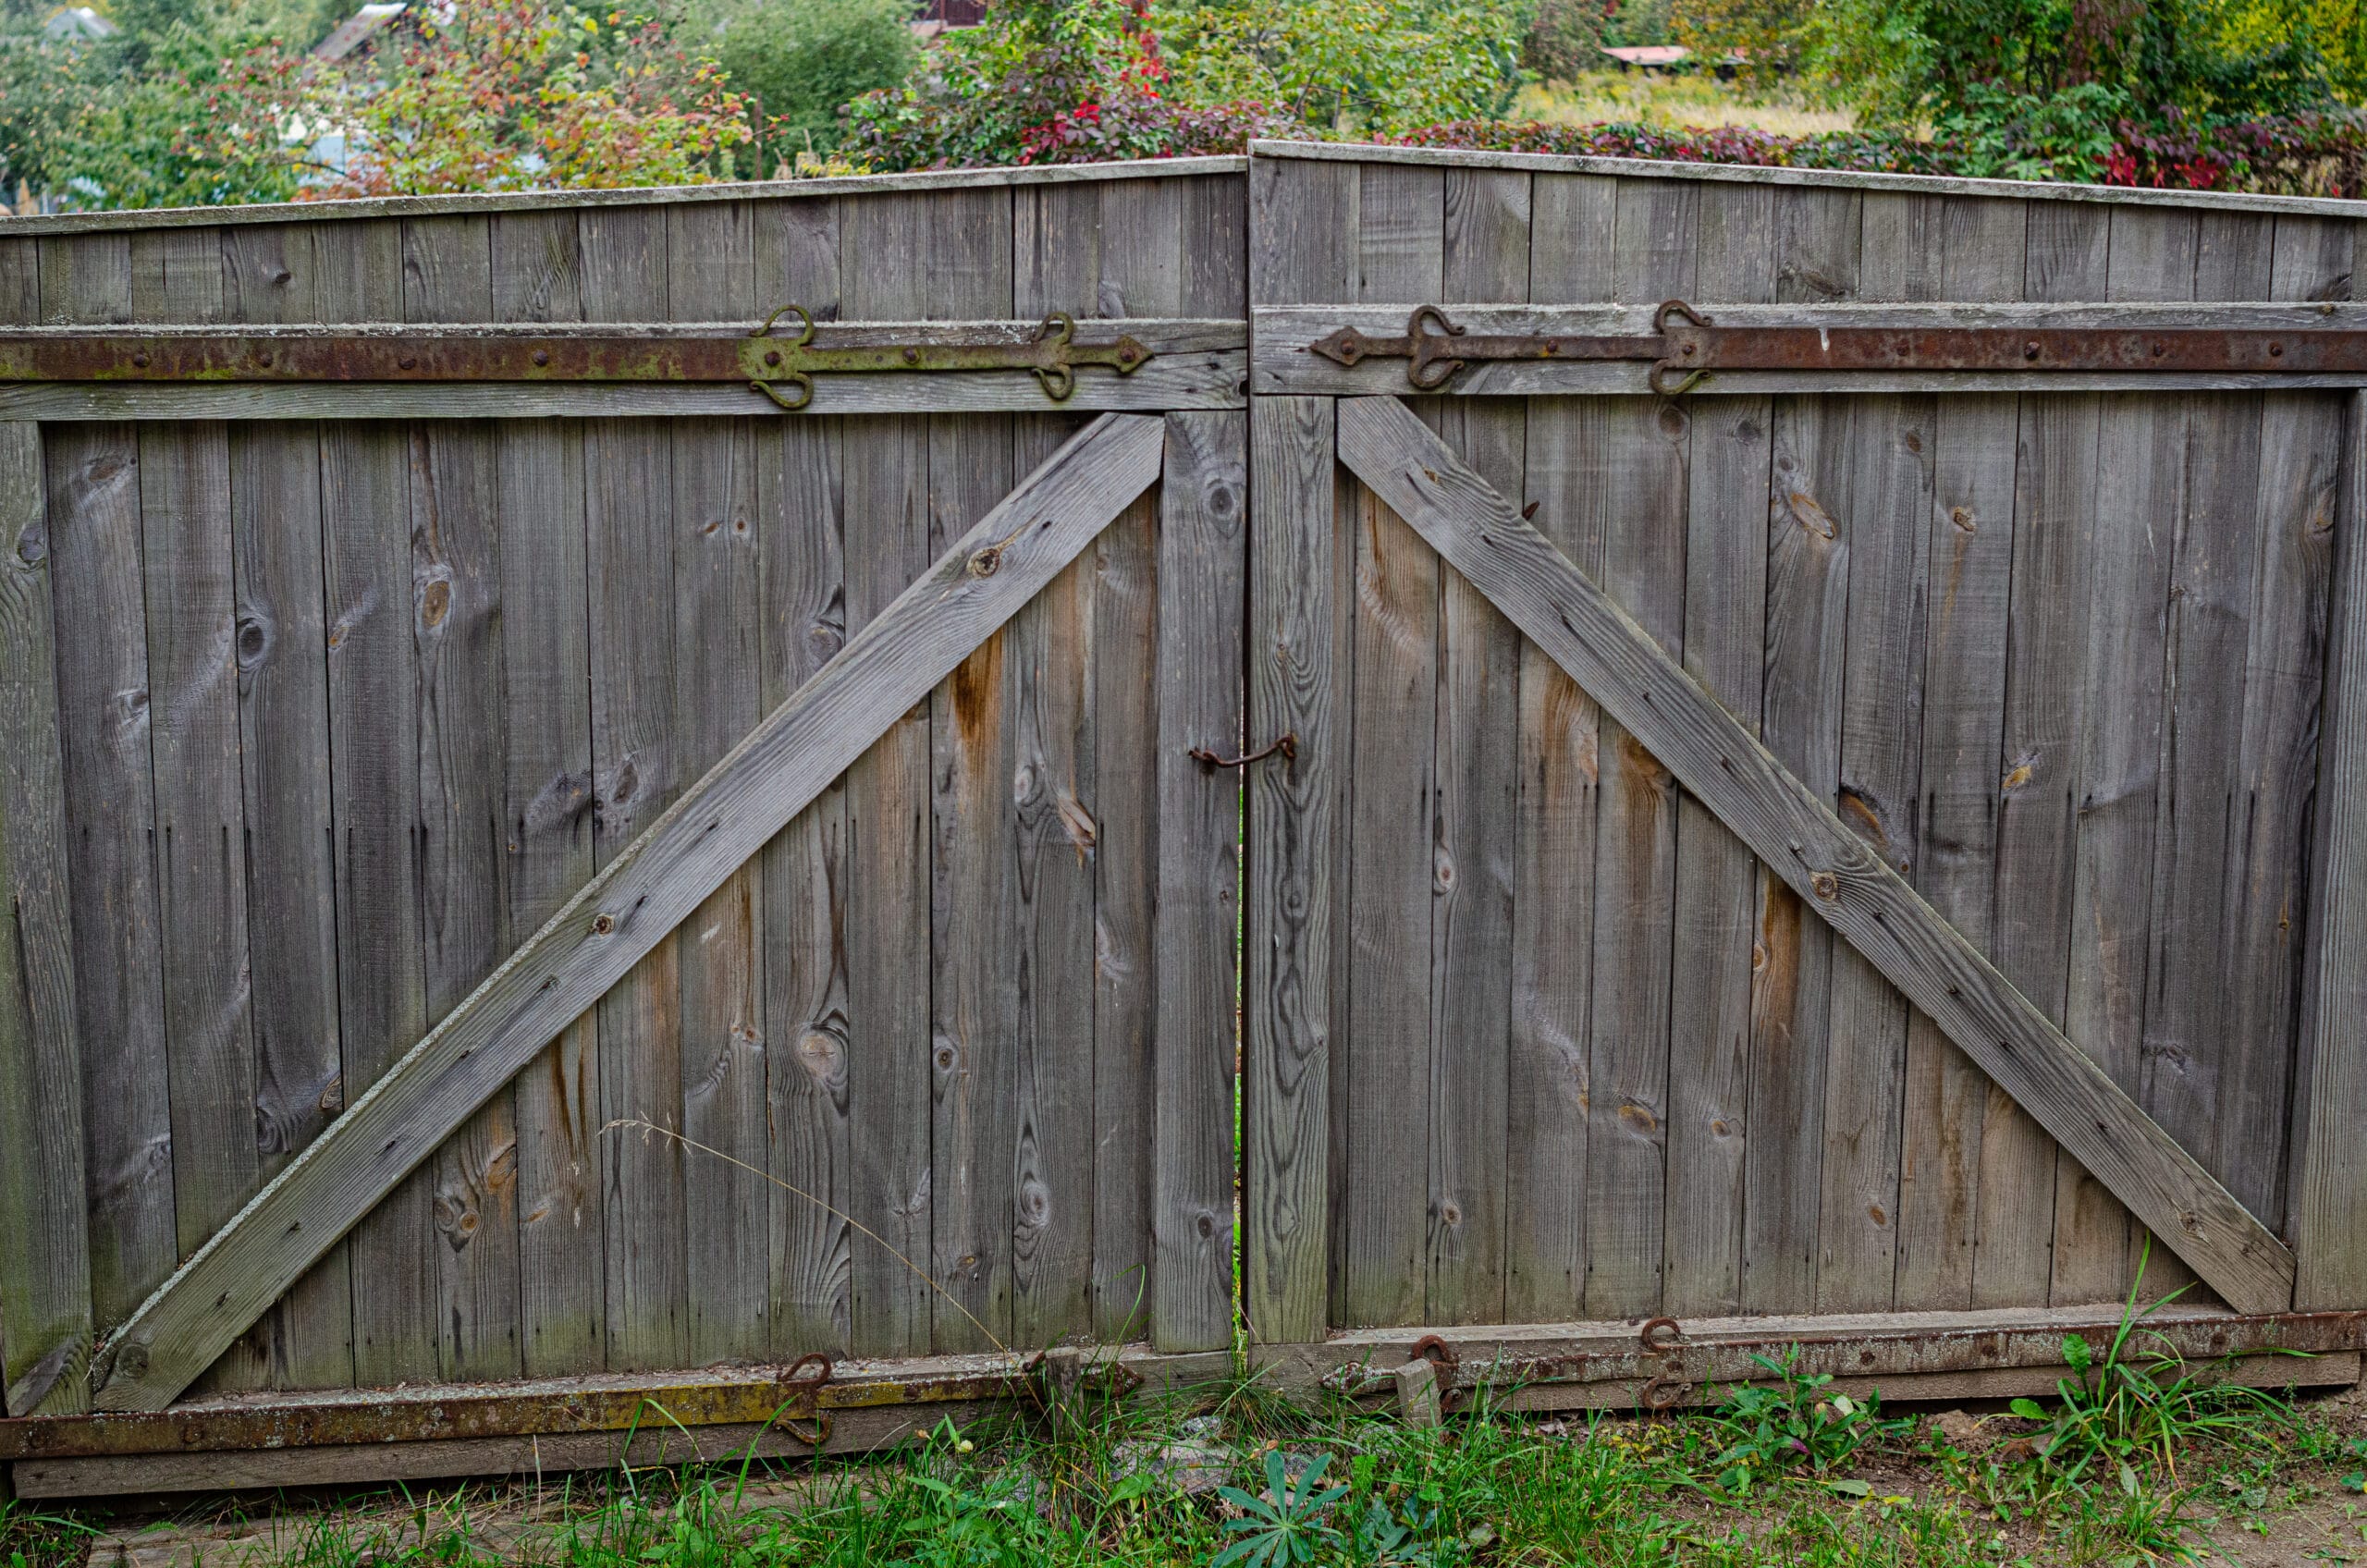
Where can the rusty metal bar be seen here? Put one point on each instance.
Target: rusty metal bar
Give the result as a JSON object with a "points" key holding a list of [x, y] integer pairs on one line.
{"points": [[1688, 346], [762, 360]]}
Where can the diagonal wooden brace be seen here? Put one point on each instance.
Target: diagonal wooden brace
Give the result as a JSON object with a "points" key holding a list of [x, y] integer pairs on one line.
{"points": [[649, 889], [1483, 536]]}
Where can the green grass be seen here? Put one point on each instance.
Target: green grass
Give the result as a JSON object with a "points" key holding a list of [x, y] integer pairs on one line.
{"points": [[1787, 1474]]}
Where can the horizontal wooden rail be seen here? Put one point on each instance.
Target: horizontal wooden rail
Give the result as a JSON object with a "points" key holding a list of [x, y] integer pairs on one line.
{"points": [[653, 884], [1798, 837]]}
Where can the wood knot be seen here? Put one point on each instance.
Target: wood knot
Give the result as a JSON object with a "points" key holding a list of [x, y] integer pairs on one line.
{"points": [[987, 562], [602, 922], [1827, 885]]}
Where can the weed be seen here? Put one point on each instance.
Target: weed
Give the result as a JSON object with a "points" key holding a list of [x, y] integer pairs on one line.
{"points": [[1287, 1523], [1794, 1425]]}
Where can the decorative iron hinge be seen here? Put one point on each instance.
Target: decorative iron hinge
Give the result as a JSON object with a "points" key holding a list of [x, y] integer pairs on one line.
{"points": [[1053, 356], [1686, 345], [765, 363]]}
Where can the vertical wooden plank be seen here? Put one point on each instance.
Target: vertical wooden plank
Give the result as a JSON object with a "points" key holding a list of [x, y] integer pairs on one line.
{"points": [[374, 790], [801, 625], [44, 1224], [1818, 239], [281, 651], [177, 274], [985, 960], [1880, 492], [2037, 766], [457, 643], [201, 833], [1287, 981], [548, 805], [1717, 879], [1639, 448], [1477, 766], [20, 281], [2301, 446], [717, 604], [92, 482], [2142, 441], [1202, 591], [1303, 229], [2330, 1180], [629, 486], [1970, 557], [1571, 219], [1398, 255]]}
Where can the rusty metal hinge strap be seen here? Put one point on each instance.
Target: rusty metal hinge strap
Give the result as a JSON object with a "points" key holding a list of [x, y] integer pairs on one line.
{"points": [[1686, 346]]}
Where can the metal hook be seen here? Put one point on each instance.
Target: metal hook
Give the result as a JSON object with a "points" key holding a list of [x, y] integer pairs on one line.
{"points": [[803, 337], [797, 378], [1427, 370]]}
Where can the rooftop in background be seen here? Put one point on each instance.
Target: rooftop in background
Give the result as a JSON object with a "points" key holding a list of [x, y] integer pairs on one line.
{"points": [[357, 28], [78, 22], [1649, 53]]}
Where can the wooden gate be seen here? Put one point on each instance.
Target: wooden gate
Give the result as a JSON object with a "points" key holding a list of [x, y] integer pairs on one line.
{"points": [[1835, 842], [431, 747]]}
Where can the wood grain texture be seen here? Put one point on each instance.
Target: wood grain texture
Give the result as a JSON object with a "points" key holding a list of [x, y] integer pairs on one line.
{"points": [[719, 605], [1476, 762], [2037, 764], [1716, 901], [1203, 578], [2330, 1181], [639, 897], [547, 811], [91, 476], [1573, 218], [1969, 563], [1935, 967], [1295, 687], [46, 1324], [1646, 444]]}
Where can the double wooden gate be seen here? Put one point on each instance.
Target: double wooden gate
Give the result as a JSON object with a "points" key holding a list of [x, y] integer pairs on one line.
{"points": [[557, 870]]}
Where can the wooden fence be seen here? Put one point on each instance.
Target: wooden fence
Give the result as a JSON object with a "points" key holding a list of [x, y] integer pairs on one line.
{"points": [[1831, 842]]}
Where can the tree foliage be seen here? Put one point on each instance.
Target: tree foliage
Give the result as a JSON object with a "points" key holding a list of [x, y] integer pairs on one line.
{"points": [[799, 63]]}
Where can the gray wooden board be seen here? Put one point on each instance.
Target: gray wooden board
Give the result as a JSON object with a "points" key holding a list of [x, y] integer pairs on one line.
{"points": [[1716, 900], [92, 477], [45, 1325], [1968, 573], [2330, 1180], [1640, 523], [718, 604], [2037, 766], [1551, 944], [1851, 884], [1476, 761], [1294, 687], [640, 896], [1203, 579], [804, 623], [547, 797]]}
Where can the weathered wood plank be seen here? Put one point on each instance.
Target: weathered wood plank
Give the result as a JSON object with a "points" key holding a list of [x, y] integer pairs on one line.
{"points": [[281, 652], [200, 839], [44, 1224], [1203, 575], [717, 610], [629, 556], [1295, 687], [1572, 220], [1851, 886], [92, 482], [1477, 766], [1645, 444], [2329, 1179], [982, 957], [547, 811], [1970, 560], [1716, 900], [2037, 764], [801, 625], [639, 897], [2153, 256]]}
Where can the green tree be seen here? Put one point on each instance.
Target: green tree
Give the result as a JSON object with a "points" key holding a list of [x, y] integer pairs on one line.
{"points": [[800, 63]]}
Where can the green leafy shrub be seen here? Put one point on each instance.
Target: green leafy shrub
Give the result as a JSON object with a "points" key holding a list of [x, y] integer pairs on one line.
{"points": [[1364, 64], [800, 63], [1792, 1423]]}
